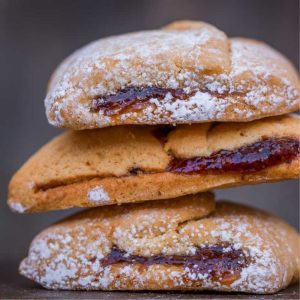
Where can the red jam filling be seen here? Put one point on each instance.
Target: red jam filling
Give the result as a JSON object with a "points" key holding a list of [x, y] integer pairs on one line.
{"points": [[250, 158], [220, 263], [134, 98]]}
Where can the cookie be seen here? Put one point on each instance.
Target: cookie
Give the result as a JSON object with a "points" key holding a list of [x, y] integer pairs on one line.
{"points": [[188, 243], [137, 163], [187, 72]]}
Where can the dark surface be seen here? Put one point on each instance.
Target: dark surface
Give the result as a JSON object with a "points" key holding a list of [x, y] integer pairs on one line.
{"points": [[27, 291], [13, 286]]}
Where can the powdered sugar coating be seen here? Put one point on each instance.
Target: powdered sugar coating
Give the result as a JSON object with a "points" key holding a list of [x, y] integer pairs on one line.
{"points": [[17, 207], [251, 79], [62, 268], [64, 256], [98, 194]]}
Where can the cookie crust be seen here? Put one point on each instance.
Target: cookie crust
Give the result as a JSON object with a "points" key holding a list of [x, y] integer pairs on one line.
{"points": [[73, 253], [218, 79], [129, 164]]}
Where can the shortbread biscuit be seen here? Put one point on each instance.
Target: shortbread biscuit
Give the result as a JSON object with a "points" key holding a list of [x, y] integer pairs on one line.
{"points": [[138, 163], [187, 72], [178, 244]]}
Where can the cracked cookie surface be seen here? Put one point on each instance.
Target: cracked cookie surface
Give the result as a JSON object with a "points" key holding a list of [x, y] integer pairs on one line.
{"points": [[188, 243], [187, 72]]}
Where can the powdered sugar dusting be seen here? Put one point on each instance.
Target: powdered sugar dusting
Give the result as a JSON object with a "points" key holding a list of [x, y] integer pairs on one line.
{"points": [[98, 194], [252, 79], [66, 255], [69, 257], [201, 106], [17, 207]]}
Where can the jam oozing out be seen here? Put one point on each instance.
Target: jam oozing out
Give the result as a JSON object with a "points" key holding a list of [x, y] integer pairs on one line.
{"points": [[250, 158], [221, 263], [133, 97]]}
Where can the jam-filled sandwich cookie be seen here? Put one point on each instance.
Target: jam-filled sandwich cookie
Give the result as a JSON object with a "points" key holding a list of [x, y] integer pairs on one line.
{"points": [[128, 164], [184, 244], [186, 72]]}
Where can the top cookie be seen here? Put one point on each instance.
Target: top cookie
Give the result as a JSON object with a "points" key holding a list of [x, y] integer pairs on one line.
{"points": [[187, 72]]}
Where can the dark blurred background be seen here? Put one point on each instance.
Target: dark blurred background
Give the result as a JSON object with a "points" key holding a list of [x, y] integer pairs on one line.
{"points": [[36, 35]]}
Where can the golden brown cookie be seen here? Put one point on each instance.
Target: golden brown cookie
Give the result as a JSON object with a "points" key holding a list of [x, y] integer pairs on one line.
{"points": [[187, 72], [179, 244], [138, 163]]}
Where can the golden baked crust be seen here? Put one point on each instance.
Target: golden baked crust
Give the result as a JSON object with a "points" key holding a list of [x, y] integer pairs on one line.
{"points": [[71, 254], [129, 164], [220, 79]]}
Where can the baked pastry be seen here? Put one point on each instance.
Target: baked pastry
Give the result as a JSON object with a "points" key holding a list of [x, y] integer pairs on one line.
{"points": [[187, 72], [180, 244], [138, 163]]}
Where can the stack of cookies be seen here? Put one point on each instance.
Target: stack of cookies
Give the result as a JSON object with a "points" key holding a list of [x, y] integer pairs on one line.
{"points": [[158, 119]]}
